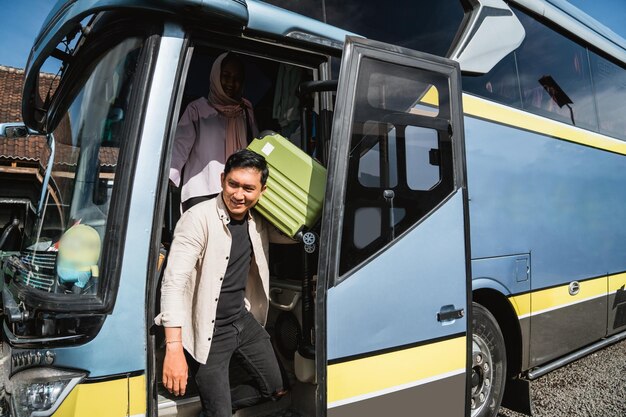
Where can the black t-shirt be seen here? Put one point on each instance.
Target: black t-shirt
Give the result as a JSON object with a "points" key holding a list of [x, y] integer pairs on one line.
{"points": [[231, 304]]}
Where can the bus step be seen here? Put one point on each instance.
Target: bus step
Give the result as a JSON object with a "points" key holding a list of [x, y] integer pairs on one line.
{"points": [[183, 407], [190, 407], [279, 413]]}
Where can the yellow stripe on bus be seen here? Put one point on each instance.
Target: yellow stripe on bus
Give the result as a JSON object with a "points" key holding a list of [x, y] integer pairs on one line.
{"points": [[557, 297], [617, 282], [485, 109], [372, 374], [106, 399], [560, 296], [521, 304]]}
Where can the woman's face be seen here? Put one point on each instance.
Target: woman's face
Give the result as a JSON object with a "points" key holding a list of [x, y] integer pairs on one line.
{"points": [[231, 77]]}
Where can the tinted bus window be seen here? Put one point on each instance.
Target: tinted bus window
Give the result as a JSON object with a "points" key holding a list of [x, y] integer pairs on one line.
{"points": [[609, 81], [554, 75], [428, 26], [423, 25], [501, 84]]}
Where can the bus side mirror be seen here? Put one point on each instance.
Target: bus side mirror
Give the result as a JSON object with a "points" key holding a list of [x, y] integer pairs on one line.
{"points": [[14, 130], [491, 33]]}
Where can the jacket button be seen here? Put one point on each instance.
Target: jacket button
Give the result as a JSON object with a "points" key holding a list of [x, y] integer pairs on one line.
{"points": [[209, 338], [212, 321], [227, 258], [216, 299], [221, 278]]}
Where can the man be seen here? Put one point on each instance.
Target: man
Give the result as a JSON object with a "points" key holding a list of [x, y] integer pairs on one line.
{"points": [[215, 293]]}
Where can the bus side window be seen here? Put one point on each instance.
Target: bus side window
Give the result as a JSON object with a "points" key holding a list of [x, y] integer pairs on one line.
{"points": [[609, 81], [555, 75], [500, 84]]}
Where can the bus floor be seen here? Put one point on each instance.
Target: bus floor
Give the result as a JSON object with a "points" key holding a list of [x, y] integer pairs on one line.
{"points": [[189, 406]]}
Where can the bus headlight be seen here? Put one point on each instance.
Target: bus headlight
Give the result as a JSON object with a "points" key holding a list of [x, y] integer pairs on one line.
{"points": [[40, 391]]}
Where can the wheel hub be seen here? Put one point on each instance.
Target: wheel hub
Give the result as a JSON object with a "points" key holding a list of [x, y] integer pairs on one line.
{"points": [[482, 374]]}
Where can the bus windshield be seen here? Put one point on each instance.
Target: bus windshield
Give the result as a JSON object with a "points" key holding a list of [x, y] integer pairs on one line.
{"points": [[63, 255]]}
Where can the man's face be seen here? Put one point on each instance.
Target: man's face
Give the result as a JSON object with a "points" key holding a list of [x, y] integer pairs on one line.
{"points": [[241, 190]]}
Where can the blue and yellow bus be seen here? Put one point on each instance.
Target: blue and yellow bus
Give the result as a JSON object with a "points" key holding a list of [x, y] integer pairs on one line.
{"points": [[472, 236]]}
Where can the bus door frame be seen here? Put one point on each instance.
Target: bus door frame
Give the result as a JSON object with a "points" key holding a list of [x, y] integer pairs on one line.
{"points": [[332, 218]]}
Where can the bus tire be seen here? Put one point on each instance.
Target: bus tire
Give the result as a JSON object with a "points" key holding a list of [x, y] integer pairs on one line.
{"points": [[488, 371]]}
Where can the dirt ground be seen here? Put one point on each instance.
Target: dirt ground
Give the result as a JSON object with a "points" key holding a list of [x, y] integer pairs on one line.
{"points": [[594, 386]]}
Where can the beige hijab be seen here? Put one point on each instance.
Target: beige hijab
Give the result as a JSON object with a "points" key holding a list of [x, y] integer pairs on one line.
{"points": [[233, 110]]}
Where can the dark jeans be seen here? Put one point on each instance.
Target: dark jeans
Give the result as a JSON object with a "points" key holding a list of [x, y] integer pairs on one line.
{"points": [[249, 343]]}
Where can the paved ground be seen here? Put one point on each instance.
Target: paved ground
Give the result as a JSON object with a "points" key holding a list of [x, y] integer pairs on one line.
{"points": [[594, 386]]}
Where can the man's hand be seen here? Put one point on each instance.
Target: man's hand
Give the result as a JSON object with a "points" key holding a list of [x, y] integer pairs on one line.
{"points": [[174, 364], [175, 369]]}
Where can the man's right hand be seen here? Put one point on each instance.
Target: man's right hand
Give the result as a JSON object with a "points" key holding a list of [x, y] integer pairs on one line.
{"points": [[175, 369]]}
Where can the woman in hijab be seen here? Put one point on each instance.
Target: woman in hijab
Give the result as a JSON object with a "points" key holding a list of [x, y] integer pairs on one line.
{"points": [[210, 130]]}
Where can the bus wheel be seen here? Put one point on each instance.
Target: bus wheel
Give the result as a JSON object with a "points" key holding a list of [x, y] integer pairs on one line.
{"points": [[488, 363]]}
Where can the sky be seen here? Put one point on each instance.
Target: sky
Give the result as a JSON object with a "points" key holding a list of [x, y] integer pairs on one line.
{"points": [[22, 20]]}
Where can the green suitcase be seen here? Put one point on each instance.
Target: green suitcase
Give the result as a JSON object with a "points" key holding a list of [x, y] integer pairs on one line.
{"points": [[295, 187]]}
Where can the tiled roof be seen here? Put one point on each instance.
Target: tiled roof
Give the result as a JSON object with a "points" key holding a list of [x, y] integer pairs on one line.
{"points": [[11, 84], [68, 155], [34, 148], [28, 149]]}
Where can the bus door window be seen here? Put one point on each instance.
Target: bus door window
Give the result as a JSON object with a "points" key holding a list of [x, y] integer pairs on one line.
{"points": [[400, 163]]}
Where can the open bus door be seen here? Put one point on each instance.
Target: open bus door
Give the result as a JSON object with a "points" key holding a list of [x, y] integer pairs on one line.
{"points": [[394, 260]]}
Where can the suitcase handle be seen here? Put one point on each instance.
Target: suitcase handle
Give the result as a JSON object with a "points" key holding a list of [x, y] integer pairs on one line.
{"points": [[284, 307]]}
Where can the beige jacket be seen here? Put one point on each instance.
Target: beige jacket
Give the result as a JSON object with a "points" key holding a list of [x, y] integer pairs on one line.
{"points": [[195, 269]]}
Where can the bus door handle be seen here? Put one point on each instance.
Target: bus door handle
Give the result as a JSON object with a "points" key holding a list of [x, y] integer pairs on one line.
{"points": [[449, 313]]}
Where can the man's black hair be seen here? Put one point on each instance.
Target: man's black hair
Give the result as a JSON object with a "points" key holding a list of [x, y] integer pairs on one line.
{"points": [[245, 158]]}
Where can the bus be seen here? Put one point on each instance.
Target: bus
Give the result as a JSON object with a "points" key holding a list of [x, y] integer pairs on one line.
{"points": [[471, 238]]}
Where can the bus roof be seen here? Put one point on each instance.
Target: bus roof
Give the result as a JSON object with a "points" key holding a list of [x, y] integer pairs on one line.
{"points": [[265, 18]]}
